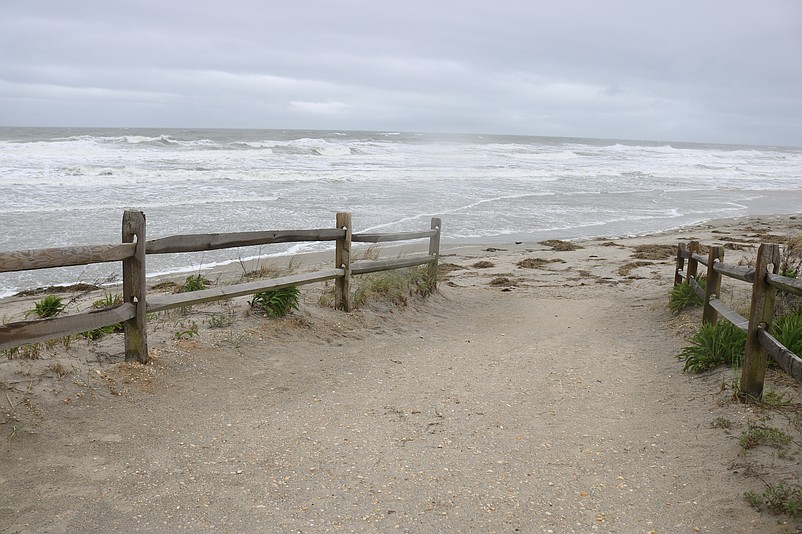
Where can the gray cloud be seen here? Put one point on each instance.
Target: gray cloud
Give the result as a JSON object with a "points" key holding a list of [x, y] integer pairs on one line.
{"points": [[720, 71]]}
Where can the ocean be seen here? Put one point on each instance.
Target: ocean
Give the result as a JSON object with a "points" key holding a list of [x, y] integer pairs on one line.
{"points": [[69, 186]]}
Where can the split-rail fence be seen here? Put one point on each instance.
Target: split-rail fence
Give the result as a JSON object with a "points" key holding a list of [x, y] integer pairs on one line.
{"points": [[765, 282], [133, 251]]}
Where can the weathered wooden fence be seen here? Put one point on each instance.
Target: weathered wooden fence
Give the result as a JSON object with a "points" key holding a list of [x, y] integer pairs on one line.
{"points": [[133, 251], [765, 282]]}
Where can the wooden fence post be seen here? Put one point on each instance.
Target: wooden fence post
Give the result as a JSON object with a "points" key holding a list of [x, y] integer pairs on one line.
{"points": [[681, 248], [713, 286], [693, 265], [342, 260], [135, 329], [761, 311], [434, 250]]}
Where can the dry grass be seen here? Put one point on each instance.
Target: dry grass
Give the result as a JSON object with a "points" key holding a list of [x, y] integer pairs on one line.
{"points": [[537, 263], [444, 268], [654, 252], [51, 290], [627, 268], [736, 246], [170, 287], [765, 237], [559, 245], [262, 272], [394, 286], [268, 270], [30, 351], [370, 253], [484, 264], [59, 369]]}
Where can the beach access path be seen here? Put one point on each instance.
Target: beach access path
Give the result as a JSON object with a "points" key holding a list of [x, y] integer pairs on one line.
{"points": [[552, 404]]}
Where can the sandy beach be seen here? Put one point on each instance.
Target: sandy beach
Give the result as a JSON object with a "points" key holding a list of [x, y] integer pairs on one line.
{"points": [[536, 391]]}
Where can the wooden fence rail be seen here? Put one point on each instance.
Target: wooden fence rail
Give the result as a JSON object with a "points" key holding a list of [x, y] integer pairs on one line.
{"points": [[765, 282], [133, 251]]}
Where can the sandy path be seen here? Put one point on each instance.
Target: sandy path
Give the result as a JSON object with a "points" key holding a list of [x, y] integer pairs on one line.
{"points": [[558, 420], [557, 406]]}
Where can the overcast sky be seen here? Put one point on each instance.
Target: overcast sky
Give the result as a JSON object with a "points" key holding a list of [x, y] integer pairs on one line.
{"points": [[685, 70]]}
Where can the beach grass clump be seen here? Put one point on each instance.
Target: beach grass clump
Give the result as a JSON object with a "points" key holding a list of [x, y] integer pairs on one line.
{"points": [[50, 306], [775, 399], [779, 499], [269, 270], [221, 320], [167, 286], [186, 330], [277, 303], [390, 286], [28, 351], [394, 286], [373, 252], [683, 296], [103, 331], [757, 435], [721, 422], [721, 343], [791, 267], [791, 257], [107, 301], [194, 282], [787, 329]]}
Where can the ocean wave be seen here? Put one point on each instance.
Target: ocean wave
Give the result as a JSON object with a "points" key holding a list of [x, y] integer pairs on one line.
{"points": [[331, 151], [121, 206], [262, 146], [142, 140], [228, 180]]}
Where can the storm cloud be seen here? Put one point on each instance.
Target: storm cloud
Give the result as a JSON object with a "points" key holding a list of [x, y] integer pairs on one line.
{"points": [[716, 71]]}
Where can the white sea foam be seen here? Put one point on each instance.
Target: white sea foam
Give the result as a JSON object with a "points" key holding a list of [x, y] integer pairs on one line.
{"points": [[68, 187]]}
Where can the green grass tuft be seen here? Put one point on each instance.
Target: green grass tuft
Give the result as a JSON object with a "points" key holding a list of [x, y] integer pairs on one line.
{"points": [[714, 344], [50, 306], [780, 499], [277, 302], [788, 331], [721, 422], [194, 282], [186, 331], [108, 300], [683, 296], [755, 436]]}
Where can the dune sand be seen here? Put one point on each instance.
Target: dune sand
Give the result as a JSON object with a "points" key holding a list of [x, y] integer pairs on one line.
{"points": [[537, 391]]}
